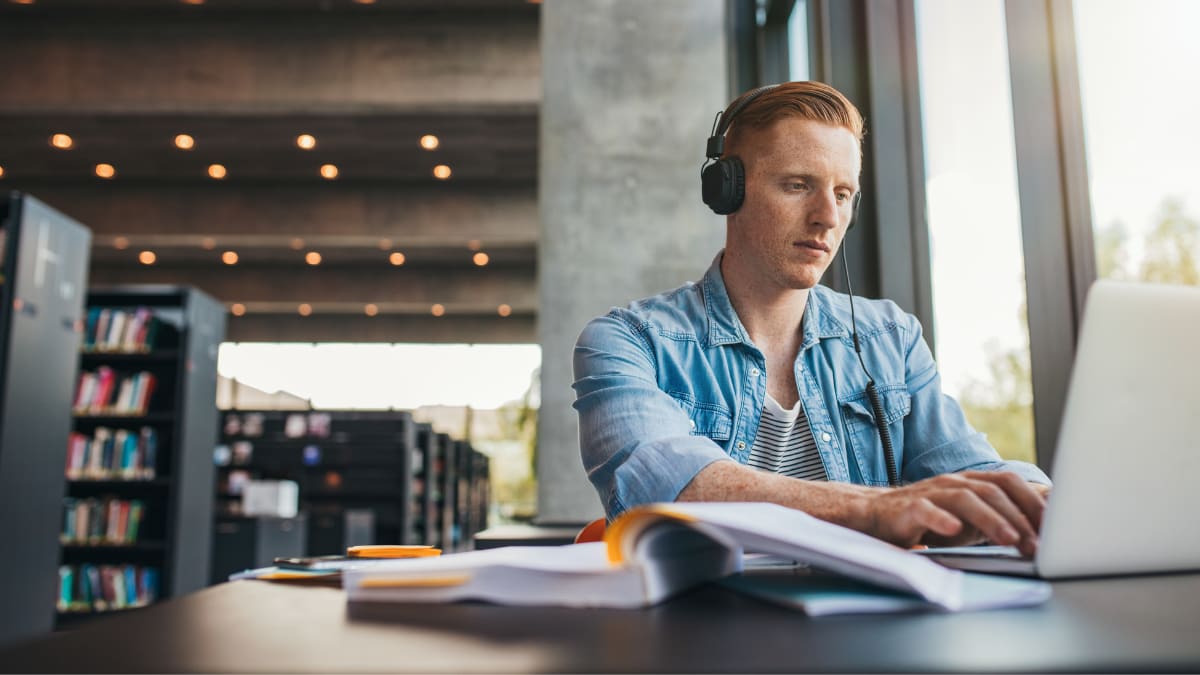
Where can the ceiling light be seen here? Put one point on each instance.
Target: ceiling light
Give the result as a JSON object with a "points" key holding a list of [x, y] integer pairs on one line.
{"points": [[216, 171], [62, 141], [329, 171], [21, 2], [504, 310], [304, 309], [441, 172], [185, 142], [437, 310], [481, 259], [208, 243], [396, 258], [229, 257], [237, 309], [147, 257], [306, 141], [105, 170], [312, 258], [364, 2], [296, 244], [430, 142], [192, 2], [1, 172], [120, 243], [371, 309]]}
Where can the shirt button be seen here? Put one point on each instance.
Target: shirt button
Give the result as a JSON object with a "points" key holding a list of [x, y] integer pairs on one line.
{"points": [[754, 372], [741, 445], [825, 436]]}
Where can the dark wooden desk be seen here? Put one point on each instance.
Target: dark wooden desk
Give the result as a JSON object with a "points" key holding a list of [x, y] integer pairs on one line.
{"points": [[1147, 623]]}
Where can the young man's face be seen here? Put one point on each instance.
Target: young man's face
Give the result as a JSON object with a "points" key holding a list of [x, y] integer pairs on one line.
{"points": [[801, 177]]}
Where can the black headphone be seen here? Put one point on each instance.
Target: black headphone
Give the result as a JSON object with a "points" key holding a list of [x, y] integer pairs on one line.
{"points": [[723, 183]]}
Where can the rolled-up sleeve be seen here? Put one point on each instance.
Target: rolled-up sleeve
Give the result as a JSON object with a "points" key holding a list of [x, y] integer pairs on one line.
{"points": [[636, 442], [938, 438]]}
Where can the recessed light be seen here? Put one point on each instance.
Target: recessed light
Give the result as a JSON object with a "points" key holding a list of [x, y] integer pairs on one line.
{"points": [[430, 142], [396, 258], [216, 171], [21, 2], [192, 2], [306, 141], [481, 259], [297, 243], [147, 257], [229, 257], [441, 172], [437, 310], [120, 243], [504, 310], [208, 243], [1, 172], [329, 171], [184, 142], [312, 258], [364, 2], [237, 309], [371, 309], [62, 141], [304, 309], [105, 171]]}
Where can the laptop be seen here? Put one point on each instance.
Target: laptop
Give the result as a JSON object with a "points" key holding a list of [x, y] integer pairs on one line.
{"points": [[1126, 498]]}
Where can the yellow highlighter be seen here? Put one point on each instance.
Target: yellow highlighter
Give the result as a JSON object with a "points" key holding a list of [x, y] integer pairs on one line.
{"points": [[393, 551]]}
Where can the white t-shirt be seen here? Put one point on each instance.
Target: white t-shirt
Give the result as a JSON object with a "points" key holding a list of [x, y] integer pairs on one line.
{"points": [[785, 445]]}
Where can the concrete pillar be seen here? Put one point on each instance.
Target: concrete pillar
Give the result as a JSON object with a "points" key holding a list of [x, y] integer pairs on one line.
{"points": [[630, 89]]}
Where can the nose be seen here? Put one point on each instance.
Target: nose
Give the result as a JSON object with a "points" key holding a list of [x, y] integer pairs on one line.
{"points": [[825, 209]]}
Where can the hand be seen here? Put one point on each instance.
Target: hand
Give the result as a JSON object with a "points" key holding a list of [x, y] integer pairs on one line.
{"points": [[958, 509]]}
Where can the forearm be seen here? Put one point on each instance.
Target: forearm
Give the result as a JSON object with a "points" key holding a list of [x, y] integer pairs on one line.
{"points": [[727, 481]]}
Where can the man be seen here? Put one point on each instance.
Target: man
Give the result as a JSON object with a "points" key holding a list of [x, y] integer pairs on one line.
{"points": [[746, 386]]}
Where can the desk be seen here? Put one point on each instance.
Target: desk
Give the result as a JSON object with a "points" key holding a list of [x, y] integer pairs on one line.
{"points": [[1147, 623]]}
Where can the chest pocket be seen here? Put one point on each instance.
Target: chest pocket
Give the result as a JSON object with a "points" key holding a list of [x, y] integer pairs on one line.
{"points": [[863, 437], [707, 419]]}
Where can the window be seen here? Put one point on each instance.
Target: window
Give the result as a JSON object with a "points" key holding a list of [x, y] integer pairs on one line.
{"points": [[978, 274], [797, 31], [1140, 108]]}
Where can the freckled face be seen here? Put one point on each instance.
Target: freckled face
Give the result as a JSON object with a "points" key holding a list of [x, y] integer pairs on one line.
{"points": [[801, 177]]}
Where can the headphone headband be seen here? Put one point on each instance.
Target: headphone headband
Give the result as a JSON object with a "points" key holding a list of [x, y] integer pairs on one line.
{"points": [[716, 141]]}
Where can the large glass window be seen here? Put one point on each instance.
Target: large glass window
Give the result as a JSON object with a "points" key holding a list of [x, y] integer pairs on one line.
{"points": [[797, 31], [1137, 65], [974, 219]]}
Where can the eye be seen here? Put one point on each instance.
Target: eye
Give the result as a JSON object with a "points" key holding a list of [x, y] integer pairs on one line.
{"points": [[797, 186], [843, 197]]}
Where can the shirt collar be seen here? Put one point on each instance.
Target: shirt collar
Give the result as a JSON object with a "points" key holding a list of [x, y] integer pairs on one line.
{"points": [[724, 326]]}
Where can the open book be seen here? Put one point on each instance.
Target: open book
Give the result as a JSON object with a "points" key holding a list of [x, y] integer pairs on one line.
{"points": [[655, 551]]}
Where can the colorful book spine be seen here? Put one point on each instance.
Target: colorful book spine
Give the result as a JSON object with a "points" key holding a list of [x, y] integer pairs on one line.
{"points": [[122, 454], [109, 522]]}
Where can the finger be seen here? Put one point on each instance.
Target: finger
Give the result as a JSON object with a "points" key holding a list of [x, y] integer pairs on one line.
{"points": [[1031, 502], [999, 500], [930, 517], [967, 505]]}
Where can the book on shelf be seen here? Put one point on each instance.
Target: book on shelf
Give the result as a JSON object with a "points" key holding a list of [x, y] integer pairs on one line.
{"points": [[122, 454], [100, 588], [108, 521], [653, 552], [106, 392], [111, 330]]}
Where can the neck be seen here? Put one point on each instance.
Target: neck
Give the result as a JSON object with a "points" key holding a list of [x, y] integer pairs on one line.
{"points": [[770, 313]]}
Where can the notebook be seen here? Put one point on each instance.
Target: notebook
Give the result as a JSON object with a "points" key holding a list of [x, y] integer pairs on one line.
{"points": [[1128, 454]]}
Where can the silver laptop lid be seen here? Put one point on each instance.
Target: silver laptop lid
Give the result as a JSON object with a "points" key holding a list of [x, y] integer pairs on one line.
{"points": [[1126, 496]]}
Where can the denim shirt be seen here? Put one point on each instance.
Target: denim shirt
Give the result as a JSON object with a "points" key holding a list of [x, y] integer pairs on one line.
{"points": [[669, 384]]}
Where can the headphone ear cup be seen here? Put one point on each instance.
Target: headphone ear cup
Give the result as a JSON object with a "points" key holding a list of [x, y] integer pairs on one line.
{"points": [[723, 185], [854, 211]]}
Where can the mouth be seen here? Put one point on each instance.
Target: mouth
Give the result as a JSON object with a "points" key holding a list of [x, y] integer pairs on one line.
{"points": [[812, 244]]}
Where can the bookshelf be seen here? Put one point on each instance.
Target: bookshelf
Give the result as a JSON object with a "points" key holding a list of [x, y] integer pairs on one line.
{"points": [[43, 273], [342, 461], [425, 522], [136, 517]]}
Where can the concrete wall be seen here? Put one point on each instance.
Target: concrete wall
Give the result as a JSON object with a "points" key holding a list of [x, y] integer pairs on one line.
{"points": [[630, 89]]}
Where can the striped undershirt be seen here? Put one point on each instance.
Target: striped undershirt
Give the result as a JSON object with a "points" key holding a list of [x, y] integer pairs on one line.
{"points": [[785, 445]]}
